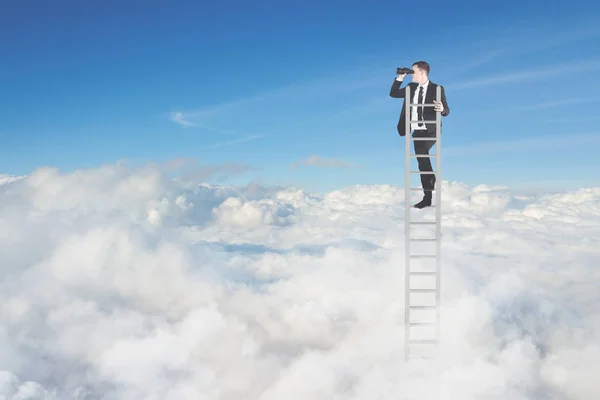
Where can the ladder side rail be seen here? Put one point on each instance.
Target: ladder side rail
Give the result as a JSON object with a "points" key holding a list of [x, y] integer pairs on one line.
{"points": [[438, 217], [407, 115]]}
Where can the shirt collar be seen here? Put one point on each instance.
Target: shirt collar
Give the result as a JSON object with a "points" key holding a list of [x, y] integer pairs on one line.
{"points": [[425, 84]]}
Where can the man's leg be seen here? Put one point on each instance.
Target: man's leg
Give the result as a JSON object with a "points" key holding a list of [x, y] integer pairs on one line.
{"points": [[427, 180]]}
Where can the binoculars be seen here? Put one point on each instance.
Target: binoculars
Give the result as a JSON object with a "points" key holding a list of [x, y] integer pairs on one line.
{"points": [[401, 71]]}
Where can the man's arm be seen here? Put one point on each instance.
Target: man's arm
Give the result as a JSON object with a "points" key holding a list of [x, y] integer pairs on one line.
{"points": [[395, 91], [445, 104]]}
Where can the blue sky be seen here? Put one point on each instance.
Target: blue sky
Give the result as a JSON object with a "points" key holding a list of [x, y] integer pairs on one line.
{"points": [[254, 89]]}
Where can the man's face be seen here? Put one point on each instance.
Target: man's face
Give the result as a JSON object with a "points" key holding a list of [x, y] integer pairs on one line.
{"points": [[419, 75]]}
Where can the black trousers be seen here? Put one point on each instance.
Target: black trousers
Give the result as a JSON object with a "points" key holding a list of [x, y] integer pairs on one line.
{"points": [[423, 147]]}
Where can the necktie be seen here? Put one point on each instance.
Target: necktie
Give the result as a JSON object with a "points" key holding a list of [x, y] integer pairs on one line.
{"points": [[420, 109]]}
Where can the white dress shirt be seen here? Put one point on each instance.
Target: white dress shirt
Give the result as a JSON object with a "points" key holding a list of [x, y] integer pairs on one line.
{"points": [[414, 116]]}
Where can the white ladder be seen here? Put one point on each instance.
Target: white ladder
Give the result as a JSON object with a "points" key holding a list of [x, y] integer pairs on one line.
{"points": [[412, 310]]}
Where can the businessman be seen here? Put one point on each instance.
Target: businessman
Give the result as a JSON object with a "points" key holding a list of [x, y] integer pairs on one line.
{"points": [[423, 91]]}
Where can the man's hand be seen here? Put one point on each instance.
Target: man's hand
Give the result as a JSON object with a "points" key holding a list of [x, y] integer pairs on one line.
{"points": [[400, 77], [438, 106]]}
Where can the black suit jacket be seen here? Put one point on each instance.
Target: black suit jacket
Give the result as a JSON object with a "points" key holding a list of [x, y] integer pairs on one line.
{"points": [[429, 113]]}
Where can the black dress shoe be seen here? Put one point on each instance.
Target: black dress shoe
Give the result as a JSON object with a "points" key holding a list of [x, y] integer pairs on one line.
{"points": [[426, 202]]}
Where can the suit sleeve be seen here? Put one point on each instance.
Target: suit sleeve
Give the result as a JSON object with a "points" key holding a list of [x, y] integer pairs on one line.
{"points": [[395, 91], [445, 103]]}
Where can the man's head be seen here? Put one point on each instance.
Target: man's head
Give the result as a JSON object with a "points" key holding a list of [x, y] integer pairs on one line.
{"points": [[421, 74]]}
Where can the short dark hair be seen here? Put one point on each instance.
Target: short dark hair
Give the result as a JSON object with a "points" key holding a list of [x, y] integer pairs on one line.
{"points": [[423, 65]]}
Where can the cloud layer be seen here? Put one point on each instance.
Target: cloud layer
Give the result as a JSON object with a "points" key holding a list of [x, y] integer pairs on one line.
{"points": [[125, 283]]}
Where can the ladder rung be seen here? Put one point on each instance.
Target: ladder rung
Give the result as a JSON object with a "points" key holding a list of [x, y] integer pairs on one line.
{"points": [[423, 256], [423, 273], [422, 104], [422, 240], [423, 222], [422, 323], [423, 172], [422, 290], [421, 307], [423, 121], [423, 155]]}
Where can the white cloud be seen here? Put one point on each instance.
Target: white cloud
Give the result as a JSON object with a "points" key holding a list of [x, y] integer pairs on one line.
{"points": [[4, 178], [252, 214], [123, 283]]}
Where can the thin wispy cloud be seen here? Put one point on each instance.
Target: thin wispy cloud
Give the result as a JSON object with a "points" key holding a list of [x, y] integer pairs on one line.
{"points": [[183, 119], [189, 169], [489, 49], [303, 90], [551, 38], [478, 53], [220, 172], [549, 104], [530, 74], [179, 118], [237, 141], [523, 144], [592, 118], [318, 161], [473, 62]]}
